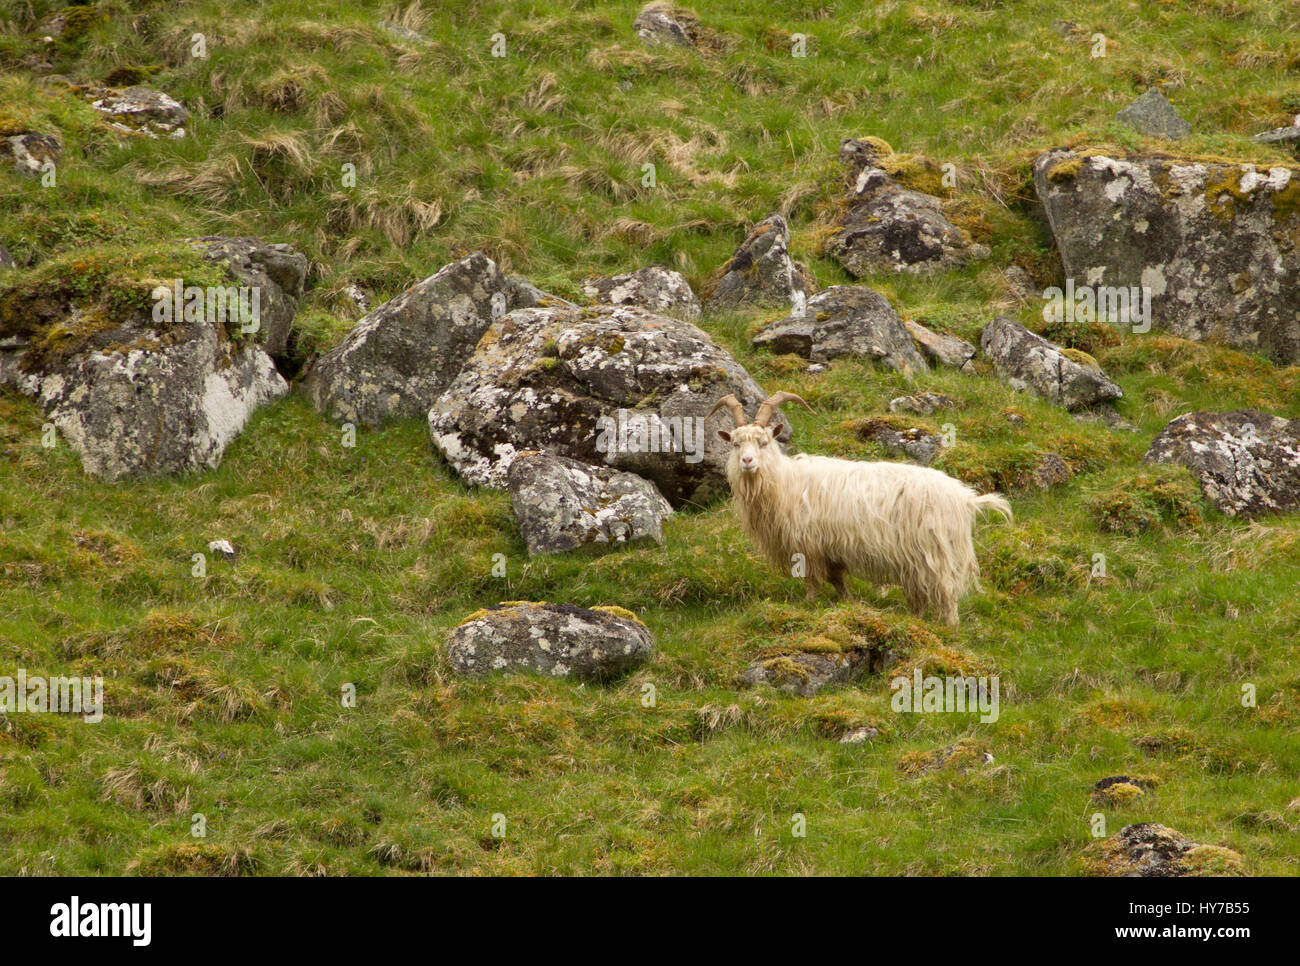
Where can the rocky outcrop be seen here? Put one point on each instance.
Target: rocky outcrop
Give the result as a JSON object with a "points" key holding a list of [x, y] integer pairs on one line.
{"points": [[658, 289], [1066, 377], [1153, 115], [398, 359], [846, 320], [1148, 850], [941, 349], [1248, 463], [278, 273], [761, 272], [609, 384], [557, 640], [887, 227], [562, 504], [1215, 246]]}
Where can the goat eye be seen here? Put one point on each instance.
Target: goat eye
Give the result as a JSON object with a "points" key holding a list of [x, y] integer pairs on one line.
{"points": [[762, 442]]}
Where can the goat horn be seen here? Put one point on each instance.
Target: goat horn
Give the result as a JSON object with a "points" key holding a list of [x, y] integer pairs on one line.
{"points": [[732, 403], [771, 403]]}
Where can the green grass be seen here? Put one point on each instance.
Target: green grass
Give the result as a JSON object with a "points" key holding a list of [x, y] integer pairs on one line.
{"points": [[223, 693]]}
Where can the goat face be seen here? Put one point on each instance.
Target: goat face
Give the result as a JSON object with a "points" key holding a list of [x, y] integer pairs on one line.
{"points": [[749, 447]]}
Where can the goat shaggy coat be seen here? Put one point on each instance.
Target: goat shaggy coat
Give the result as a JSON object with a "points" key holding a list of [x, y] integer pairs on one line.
{"points": [[892, 523]]}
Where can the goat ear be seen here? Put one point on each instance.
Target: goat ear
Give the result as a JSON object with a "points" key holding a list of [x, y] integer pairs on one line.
{"points": [[724, 435], [783, 434]]}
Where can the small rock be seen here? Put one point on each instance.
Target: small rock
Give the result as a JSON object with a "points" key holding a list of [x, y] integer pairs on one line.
{"points": [[860, 736], [915, 443], [807, 674], [1051, 471], [1118, 791], [562, 504], [140, 110], [923, 403], [1021, 285], [222, 548], [1281, 135], [558, 640], [943, 350], [662, 23], [6, 260], [1153, 115], [30, 152]]}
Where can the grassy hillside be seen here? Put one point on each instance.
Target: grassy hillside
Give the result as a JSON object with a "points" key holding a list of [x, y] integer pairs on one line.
{"points": [[223, 693]]}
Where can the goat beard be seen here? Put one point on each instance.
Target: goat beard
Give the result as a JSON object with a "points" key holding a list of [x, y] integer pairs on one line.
{"points": [[762, 502]]}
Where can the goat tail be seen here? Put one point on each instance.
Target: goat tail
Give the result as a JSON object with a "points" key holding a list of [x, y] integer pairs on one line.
{"points": [[993, 503]]}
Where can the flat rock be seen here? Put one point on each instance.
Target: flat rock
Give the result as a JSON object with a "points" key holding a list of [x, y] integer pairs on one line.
{"points": [[607, 384], [941, 349], [1028, 361], [922, 403], [1247, 462], [1153, 115], [1216, 246], [555, 640], [846, 320], [761, 272], [658, 289], [562, 504], [807, 674]]}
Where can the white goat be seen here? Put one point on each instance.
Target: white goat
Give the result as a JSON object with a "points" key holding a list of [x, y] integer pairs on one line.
{"points": [[892, 523]]}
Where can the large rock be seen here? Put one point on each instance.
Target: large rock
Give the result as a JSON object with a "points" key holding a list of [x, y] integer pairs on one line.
{"points": [[761, 272], [1216, 245], [148, 402], [558, 640], [278, 273], [612, 384], [846, 320], [1149, 850], [1028, 361], [658, 289], [140, 110], [661, 23], [1153, 115], [887, 227], [1247, 462], [398, 359], [562, 504]]}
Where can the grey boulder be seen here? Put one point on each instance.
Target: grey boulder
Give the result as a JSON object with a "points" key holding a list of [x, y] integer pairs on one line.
{"points": [[761, 272], [846, 320], [562, 504], [1247, 462], [660, 23], [607, 384], [398, 359], [140, 110], [1214, 245], [942, 349], [556, 640], [1153, 115], [1029, 362]]}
